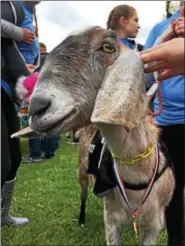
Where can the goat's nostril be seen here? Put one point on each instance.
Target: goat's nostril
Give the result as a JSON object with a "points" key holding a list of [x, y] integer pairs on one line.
{"points": [[38, 104]]}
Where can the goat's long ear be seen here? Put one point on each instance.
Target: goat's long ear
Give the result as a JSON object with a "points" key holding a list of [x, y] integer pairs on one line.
{"points": [[122, 99]]}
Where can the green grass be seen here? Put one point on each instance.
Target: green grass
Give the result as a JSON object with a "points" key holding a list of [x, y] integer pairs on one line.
{"points": [[49, 195]]}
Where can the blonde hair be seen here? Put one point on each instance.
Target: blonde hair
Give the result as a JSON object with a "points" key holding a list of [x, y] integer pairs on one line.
{"points": [[121, 10]]}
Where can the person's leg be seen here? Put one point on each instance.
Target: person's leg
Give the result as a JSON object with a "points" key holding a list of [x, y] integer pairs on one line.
{"points": [[48, 147], [5, 151], [35, 147], [34, 150], [173, 138], [57, 139], [42, 145], [15, 155], [51, 144]]}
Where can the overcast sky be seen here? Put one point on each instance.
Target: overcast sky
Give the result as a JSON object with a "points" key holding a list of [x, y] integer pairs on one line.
{"points": [[58, 18]]}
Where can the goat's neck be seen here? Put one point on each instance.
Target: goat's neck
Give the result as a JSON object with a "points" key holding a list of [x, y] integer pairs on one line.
{"points": [[129, 144]]}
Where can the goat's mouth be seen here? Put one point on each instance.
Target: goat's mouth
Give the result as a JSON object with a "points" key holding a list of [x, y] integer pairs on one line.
{"points": [[53, 124], [39, 127]]}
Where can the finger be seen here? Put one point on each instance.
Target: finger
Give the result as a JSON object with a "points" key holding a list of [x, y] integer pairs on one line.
{"points": [[150, 50], [30, 32], [147, 51], [173, 22], [180, 29], [180, 25], [180, 32], [156, 66], [182, 11], [180, 19], [169, 33], [31, 36], [29, 41], [166, 74], [153, 55]]}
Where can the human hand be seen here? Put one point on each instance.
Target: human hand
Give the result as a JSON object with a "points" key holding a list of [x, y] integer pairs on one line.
{"points": [[176, 28], [166, 58], [30, 67], [28, 36], [179, 27]]}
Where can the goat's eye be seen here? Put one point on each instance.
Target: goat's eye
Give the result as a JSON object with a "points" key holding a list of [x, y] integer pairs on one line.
{"points": [[108, 48]]}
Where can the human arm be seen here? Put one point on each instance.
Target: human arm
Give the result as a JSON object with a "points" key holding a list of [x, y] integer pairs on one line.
{"points": [[167, 57], [14, 62], [11, 31]]}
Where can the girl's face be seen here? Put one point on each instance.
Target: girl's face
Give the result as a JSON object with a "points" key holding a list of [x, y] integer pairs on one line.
{"points": [[130, 26]]}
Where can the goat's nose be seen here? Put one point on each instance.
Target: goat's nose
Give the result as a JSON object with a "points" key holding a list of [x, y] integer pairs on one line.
{"points": [[39, 103]]}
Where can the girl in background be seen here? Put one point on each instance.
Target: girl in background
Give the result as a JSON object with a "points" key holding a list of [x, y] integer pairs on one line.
{"points": [[124, 20]]}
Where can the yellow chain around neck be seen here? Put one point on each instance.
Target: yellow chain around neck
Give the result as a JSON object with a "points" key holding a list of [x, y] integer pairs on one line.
{"points": [[144, 155]]}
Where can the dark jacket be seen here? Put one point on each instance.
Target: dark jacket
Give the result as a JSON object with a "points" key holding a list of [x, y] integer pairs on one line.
{"points": [[13, 65]]}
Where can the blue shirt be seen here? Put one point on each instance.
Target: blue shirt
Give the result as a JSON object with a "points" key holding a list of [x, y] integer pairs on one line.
{"points": [[127, 42], [172, 89], [29, 51]]}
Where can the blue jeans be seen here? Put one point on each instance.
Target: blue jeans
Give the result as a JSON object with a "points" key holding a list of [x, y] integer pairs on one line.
{"points": [[49, 145], [35, 147]]}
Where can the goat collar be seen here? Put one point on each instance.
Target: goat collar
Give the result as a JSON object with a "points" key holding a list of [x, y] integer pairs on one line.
{"points": [[121, 187], [135, 159]]}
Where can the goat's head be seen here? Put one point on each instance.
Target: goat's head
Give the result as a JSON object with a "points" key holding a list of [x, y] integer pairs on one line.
{"points": [[87, 79], [65, 94]]}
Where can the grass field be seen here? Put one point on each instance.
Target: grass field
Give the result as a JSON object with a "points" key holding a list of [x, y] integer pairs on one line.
{"points": [[48, 193]]}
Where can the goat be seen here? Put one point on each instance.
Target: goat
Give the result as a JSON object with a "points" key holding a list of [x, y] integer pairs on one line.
{"points": [[87, 79]]}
